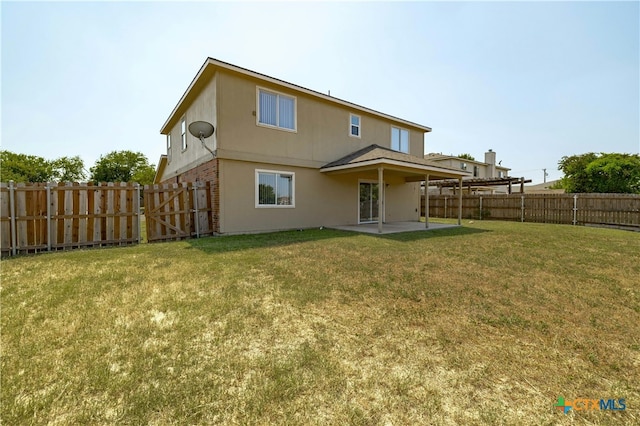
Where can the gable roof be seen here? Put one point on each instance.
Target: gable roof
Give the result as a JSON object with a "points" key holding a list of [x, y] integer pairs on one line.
{"points": [[211, 65], [376, 155]]}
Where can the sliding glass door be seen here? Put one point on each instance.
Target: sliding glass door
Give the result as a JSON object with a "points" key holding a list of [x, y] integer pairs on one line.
{"points": [[368, 202]]}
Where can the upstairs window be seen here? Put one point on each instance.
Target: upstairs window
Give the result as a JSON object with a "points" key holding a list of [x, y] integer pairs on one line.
{"points": [[400, 139], [183, 133], [476, 171], [169, 147], [276, 110], [274, 189], [463, 166], [354, 125]]}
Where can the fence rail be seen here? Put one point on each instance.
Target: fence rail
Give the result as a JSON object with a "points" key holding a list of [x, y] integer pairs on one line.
{"points": [[38, 217], [615, 210]]}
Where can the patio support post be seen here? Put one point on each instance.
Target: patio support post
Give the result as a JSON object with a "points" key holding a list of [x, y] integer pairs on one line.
{"points": [[460, 204], [426, 201], [380, 204]]}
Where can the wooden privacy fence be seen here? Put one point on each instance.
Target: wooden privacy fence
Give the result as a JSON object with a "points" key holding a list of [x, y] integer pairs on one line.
{"points": [[49, 216], [618, 210], [175, 211]]}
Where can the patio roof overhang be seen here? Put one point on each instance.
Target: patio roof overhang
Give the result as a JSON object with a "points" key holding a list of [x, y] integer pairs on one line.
{"points": [[384, 160], [413, 169]]}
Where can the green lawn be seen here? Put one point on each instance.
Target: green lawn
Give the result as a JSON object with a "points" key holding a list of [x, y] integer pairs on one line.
{"points": [[485, 324]]}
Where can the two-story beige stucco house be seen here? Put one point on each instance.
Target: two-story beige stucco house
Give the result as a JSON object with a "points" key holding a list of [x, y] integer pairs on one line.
{"points": [[286, 157]]}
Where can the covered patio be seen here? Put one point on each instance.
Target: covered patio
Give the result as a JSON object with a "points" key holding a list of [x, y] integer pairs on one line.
{"points": [[384, 161]]}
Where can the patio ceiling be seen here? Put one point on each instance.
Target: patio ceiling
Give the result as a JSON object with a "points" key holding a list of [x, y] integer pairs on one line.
{"points": [[412, 168]]}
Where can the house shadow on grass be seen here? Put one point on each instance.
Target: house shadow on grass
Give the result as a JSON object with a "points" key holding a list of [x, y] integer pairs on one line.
{"points": [[435, 233], [230, 243]]}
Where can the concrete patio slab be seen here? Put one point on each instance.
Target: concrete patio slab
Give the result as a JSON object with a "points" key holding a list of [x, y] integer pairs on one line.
{"points": [[393, 227]]}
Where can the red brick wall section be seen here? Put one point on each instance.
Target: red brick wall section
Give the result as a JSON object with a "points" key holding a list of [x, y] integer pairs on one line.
{"points": [[215, 199], [207, 172]]}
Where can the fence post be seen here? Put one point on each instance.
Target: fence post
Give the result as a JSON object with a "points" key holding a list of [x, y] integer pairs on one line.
{"points": [[575, 209], [481, 207], [445, 207], [195, 205], [48, 189], [522, 208], [12, 212], [138, 211]]}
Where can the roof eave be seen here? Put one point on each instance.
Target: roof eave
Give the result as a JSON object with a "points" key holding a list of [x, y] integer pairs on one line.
{"points": [[419, 168], [164, 129]]}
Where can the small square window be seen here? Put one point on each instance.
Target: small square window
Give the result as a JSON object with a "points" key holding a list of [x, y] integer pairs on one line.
{"points": [[354, 125]]}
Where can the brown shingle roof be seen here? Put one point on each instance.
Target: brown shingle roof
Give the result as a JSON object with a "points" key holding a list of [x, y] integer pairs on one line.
{"points": [[377, 152]]}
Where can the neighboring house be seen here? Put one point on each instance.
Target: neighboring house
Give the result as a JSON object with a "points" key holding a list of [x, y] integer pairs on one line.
{"points": [[286, 157], [480, 171], [544, 188]]}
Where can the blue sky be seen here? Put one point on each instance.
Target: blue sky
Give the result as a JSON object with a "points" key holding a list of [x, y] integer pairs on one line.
{"points": [[533, 81]]}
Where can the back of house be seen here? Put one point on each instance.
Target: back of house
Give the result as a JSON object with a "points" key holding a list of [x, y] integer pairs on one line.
{"points": [[286, 157]]}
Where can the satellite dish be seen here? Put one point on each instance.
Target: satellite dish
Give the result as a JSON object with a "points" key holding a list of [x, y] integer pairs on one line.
{"points": [[201, 129]]}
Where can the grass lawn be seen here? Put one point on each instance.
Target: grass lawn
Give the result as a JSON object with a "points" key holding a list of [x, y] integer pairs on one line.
{"points": [[485, 324]]}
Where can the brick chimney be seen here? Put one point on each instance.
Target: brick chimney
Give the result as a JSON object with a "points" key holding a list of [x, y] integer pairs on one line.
{"points": [[490, 160]]}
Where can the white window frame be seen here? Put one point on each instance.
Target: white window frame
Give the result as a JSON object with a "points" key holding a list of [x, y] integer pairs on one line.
{"points": [[408, 139], [169, 147], [359, 126], [183, 133], [463, 165], [275, 206], [278, 94]]}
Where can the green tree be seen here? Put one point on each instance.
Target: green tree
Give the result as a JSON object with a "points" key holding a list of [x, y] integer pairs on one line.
{"points": [[145, 175], [32, 168], [557, 185], [467, 157], [68, 169], [605, 173], [123, 166], [24, 168]]}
